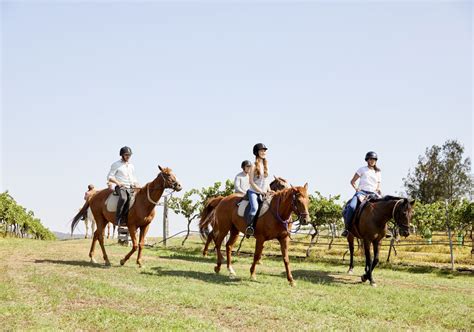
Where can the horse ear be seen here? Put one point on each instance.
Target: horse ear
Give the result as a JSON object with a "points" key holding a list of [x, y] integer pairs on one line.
{"points": [[306, 186], [161, 169], [412, 202], [275, 177]]}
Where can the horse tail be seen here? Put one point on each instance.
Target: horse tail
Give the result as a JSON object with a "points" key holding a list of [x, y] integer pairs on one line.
{"points": [[82, 214], [208, 215]]}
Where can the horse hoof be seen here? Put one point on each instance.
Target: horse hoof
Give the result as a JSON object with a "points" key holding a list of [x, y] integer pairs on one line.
{"points": [[232, 276], [107, 264], [122, 262], [259, 263], [253, 277], [373, 284], [93, 261], [217, 269], [363, 278], [292, 283], [350, 272]]}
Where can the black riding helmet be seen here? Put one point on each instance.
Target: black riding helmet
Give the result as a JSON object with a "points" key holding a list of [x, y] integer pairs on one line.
{"points": [[125, 150], [371, 155], [245, 163], [257, 147]]}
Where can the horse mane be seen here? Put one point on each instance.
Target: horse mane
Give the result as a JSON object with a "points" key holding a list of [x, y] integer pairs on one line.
{"points": [[387, 198]]}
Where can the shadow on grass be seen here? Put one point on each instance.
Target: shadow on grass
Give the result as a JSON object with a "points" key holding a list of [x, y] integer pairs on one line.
{"points": [[70, 262], [221, 279]]}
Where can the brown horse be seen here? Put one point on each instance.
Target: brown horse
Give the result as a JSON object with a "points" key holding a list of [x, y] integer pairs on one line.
{"points": [[140, 215], [371, 228], [275, 224], [277, 184]]}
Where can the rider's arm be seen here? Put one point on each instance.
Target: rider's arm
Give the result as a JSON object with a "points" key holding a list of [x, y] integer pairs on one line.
{"points": [[354, 180], [237, 185], [379, 190], [111, 177], [253, 186]]}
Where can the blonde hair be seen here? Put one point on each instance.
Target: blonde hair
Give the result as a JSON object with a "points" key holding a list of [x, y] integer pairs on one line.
{"points": [[258, 160]]}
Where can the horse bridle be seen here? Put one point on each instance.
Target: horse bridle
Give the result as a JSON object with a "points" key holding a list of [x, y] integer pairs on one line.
{"points": [[395, 210], [165, 181], [294, 208]]}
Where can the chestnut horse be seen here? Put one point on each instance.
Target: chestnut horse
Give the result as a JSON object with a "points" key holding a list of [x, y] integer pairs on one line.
{"points": [[276, 185], [274, 224], [372, 227], [140, 215]]}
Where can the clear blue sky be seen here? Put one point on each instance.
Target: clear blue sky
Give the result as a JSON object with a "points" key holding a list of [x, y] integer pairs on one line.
{"points": [[194, 85]]}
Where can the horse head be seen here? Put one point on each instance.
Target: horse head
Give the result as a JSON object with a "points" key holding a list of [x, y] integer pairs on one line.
{"points": [[300, 203], [169, 179], [279, 184], [402, 214]]}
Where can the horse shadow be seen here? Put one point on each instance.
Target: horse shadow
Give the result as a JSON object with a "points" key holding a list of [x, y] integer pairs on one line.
{"points": [[70, 262], [208, 277], [324, 277]]}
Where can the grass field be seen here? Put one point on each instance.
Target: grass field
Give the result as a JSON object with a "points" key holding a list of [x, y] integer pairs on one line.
{"points": [[52, 285]]}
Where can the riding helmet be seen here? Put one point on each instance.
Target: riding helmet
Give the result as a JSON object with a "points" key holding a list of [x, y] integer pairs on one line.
{"points": [[246, 163], [371, 155], [257, 147], [125, 150]]}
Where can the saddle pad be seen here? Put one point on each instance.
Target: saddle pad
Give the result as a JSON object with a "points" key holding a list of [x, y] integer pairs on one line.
{"points": [[112, 200], [243, 205]]}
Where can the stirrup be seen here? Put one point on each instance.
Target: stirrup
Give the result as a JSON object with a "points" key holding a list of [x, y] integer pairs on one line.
{"points": [[249, 231]]}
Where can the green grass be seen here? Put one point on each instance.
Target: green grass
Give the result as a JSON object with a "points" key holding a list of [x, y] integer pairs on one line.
{"points": [[51, 285]]}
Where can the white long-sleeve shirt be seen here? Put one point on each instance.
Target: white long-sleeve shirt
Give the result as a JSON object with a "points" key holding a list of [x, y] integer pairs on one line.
{"points": [[124, 173], [241, 183]]}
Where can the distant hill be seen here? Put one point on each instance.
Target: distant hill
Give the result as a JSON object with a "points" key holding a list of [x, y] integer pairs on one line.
{"points": [[67, 236]]}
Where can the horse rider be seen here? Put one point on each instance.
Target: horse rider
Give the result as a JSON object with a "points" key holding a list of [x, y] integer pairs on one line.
{"points": [[122, 174], [90, 192], [259, 184], [241, 181], [369, 178]]}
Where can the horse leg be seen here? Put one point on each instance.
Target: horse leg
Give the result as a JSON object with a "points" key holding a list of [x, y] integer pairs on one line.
{"points": [[218, 240], [210, 237], [108, 230], [141, 244], [286, 259], [101, 234], [256, 257], [86, 222], [376, 245], [234, 235], [113, 231], [350, 240], [95, 236], [133, 234], [368, 262]]}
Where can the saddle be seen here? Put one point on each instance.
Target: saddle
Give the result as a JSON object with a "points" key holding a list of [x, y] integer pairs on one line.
{"points": [[244, 206], [361, 204], [112, 200]]}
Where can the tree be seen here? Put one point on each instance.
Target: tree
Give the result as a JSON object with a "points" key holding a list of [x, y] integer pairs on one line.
{"points": [[192, 203], [441, 174]]}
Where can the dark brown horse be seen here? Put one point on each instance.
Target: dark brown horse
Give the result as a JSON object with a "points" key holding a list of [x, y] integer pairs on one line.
{"points": [[274, 224], [140, 215], [277, 184], [371, 228]]}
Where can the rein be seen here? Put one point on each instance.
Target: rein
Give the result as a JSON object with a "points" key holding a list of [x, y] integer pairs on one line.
{"points": [[289, 221], [148, 191]]}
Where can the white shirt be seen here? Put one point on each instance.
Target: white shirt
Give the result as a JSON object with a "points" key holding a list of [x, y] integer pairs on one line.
{"points": [[369, 179], [124, 173], [241, 183], [261, 181]]}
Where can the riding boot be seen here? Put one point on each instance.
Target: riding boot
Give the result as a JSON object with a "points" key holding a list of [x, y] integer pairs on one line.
{"points": [[347, 226], [249, 231]]}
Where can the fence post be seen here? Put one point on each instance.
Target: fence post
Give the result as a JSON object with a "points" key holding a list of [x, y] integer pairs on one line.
{"points": [[165, 221], [449, 235]]}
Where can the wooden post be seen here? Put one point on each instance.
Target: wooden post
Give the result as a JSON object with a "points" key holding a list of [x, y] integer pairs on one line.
{"points": [[450, 239], [165, 221]]}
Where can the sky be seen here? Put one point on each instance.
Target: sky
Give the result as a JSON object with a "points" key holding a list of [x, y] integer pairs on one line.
{"points": [[194, 85]]}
